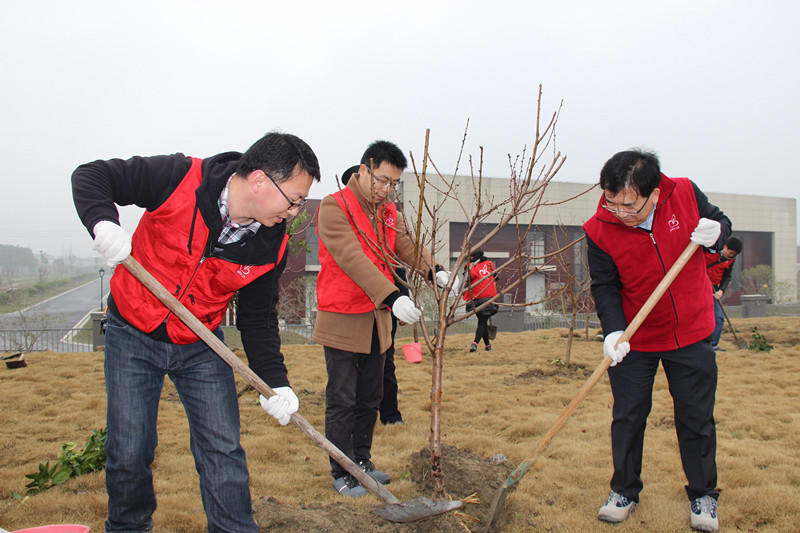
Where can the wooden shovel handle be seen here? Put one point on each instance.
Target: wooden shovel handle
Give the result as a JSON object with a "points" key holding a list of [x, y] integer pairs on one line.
{"points": [[251, 377]]}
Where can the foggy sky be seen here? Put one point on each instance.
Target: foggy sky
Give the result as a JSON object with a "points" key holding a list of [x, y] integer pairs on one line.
{"points": [[711, 86]]}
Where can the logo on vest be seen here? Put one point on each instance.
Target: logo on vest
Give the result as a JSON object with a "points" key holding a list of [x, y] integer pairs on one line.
{"points": [[484, 271], [673, 223], [243, 271], [389, 219]]}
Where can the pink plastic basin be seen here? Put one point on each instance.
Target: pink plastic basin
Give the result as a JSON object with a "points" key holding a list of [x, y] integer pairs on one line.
{"points": [[64, 528]]}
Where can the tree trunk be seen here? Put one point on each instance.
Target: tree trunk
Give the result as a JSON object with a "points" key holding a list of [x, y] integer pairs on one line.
{"points": [[436, 411]]}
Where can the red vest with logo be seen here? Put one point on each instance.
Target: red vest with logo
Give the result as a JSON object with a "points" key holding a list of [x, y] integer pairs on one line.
{"points": [[685, 314], [336, 292], [205, 285], [715, 271], [486, 287]]}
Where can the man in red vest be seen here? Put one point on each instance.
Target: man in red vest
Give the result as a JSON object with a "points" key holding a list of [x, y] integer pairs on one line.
{"points": [[212, 227], [718, 266], [362, 236], [643, 223]]}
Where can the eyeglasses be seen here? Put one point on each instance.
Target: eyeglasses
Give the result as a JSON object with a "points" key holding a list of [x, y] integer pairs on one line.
{"points": [[624, 212], [293, 204], [384, 182]]}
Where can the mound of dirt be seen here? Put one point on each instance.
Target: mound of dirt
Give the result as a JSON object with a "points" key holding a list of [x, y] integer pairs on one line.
{"points": [[464, 474]]}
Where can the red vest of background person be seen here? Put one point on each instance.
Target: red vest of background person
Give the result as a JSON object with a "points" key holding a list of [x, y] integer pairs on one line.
{"points": [[336, 292], [715, 271], [485, 288], [685, 314], [204, 285]]}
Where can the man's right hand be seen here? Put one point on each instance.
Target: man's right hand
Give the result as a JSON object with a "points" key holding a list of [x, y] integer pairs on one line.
{"points": [[113, 242], [405, 311]]}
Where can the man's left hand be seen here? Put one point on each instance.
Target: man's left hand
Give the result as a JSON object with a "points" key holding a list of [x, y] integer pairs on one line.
{"points": [[282, 405], [706, 233]]}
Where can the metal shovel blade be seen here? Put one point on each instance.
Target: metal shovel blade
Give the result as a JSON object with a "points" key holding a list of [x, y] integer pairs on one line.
{"points": [[416, 509]]}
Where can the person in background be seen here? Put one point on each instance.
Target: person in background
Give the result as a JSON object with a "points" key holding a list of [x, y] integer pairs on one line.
{"points": [[643, 223], [718, 266], [212, 227], [482, 287], [360, 232], [389, 409]]}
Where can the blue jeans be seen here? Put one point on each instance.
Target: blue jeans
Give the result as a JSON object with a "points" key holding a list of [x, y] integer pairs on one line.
{"points": [[719, 322], [135, 366]]}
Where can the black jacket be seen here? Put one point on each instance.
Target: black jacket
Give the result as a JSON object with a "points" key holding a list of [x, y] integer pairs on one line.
{"points": [[147, 182]]}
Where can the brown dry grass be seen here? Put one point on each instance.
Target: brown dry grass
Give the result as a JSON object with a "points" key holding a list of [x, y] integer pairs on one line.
{"points": [[494, 403]]}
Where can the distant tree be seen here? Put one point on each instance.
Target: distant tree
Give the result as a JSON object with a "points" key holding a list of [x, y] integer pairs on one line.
{"points": [[44, 267], [758, 280]]}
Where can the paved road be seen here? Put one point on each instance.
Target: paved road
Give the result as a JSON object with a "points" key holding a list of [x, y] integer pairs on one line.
{"points": [[66, 310]]}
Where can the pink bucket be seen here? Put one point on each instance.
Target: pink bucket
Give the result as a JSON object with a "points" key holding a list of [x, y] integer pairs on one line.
{"points": [[64, 528], [413, 352]]}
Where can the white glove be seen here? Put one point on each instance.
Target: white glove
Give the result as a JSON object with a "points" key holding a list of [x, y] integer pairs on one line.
{"points": [[443, 276], [111, 241], [282, 405], [706, 233], [615, 354], [405, 311]]}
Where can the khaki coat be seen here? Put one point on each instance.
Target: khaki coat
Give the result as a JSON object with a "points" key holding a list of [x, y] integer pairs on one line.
{"points": [[353, 332]]}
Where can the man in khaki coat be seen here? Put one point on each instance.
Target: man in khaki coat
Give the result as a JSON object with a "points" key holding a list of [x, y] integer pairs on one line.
{"points": [[361, 234]]}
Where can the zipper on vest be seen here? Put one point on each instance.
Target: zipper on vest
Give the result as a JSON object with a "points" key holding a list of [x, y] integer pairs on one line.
{"points": [[191, 298], [177, 290], [669, 292]]}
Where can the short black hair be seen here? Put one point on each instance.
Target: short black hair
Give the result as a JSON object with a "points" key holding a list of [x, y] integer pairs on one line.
{"points": [[636, 168], [476, 256], [734, 244], [278, 155], [345, 177], [384, 151]]}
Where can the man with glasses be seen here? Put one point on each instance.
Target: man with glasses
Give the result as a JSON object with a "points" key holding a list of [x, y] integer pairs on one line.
{"points": [[212, 227], [643, 222], [362, 239]]}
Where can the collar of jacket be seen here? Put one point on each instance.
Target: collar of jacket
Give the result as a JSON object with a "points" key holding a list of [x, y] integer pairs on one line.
{"points": [[259, 249]]}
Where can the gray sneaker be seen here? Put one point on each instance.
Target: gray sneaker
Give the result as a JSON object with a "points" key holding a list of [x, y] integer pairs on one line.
{"points": [[616, 509], [347, 485], [367, 466], [704, 514]]}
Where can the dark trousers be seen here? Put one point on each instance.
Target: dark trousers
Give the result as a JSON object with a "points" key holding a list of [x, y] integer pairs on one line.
{"points": [[482, 332], [389, 410], [692, 376], [352, 397]]}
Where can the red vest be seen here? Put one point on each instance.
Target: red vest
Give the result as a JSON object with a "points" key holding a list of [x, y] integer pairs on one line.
{"points": [[715, 271], [486, 287], [685, 314], [336, 291], [204, 285]]}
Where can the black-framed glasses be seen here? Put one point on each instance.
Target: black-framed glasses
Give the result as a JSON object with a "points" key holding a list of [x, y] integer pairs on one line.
{"points": [[384, 182], [292, 203], [624, 212]]}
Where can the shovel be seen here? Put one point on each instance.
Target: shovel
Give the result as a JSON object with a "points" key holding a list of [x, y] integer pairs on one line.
{"points": [[742, 344], [500, 496], [394, 511], [19, 363]]}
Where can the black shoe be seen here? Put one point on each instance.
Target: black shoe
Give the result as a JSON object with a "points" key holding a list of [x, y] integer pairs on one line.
{"points": [[367, 466], [347, 485], [488, 347], [393, 422], [474, 347]]}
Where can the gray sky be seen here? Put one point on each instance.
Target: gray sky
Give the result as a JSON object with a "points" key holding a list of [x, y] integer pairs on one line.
{"points": [[711, 86]]}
